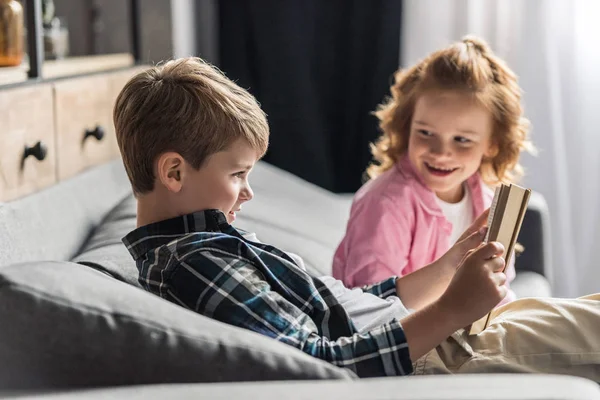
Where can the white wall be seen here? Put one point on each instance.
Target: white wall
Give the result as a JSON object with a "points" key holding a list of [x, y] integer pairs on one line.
{"points": [[196, 29], [552, 46]]}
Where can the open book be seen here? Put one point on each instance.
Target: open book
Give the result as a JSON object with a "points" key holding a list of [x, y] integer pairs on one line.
{"points": [[504, 223]]}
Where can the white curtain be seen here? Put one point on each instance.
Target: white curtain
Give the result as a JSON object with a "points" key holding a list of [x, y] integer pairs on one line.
{"points": [[554, 47]]}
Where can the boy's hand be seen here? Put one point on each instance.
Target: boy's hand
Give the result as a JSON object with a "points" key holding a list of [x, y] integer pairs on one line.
{"points": [[469, 240], [477, 286], [426, 285]]}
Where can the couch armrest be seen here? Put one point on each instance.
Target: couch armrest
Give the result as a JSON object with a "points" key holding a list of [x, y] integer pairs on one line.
{"points": [[531, 284], [449, 387], [535, 238]]}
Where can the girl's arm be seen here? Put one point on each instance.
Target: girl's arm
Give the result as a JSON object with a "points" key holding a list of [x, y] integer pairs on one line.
{"points": [[377, 242], [426, 285]]}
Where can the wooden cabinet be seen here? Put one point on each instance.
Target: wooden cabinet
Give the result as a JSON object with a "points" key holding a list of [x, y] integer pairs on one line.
{"points": [[27, 140], [52, 131], [83, 124]]}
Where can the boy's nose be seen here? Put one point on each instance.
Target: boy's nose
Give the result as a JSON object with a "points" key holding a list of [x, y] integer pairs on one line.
{"points": [[247, 193]]}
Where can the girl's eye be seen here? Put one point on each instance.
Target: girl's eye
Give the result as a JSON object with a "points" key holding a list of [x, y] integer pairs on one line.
{"points": [[461, 139], [425, 132], [239, 174]]}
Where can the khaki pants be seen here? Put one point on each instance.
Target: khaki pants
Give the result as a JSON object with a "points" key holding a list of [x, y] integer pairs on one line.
{"points": [[535, 335]]}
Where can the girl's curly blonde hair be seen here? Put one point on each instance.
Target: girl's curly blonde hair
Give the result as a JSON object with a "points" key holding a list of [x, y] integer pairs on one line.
{"points": [[468, 66]]}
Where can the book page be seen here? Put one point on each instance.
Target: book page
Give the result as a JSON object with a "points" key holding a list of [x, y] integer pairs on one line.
{"points": [[492, 213], [499, 209]]}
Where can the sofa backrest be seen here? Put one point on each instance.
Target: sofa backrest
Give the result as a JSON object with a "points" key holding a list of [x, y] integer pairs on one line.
{"points": [[60, 223], [54, 224], [74, 326]]}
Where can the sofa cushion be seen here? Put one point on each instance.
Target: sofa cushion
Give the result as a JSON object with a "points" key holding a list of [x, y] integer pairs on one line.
{"points": [[55, 223], [286, 212], [72, 326], [317, 256], [295, 216], [104, 249]]}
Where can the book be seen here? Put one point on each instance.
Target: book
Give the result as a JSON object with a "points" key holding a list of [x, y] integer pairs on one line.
{"points": [[504, 224]]}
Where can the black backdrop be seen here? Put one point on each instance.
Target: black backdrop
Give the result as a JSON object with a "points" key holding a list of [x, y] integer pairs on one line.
{"points": [[318, 68]]}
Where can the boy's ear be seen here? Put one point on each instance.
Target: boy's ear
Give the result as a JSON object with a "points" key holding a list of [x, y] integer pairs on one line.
{"points": [[170, 169]]}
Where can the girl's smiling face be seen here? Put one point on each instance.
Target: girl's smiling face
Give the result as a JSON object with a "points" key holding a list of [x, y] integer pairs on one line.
{"points": [[450, 135]]}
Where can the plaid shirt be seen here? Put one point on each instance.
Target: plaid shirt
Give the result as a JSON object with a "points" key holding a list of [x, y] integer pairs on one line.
{"points": [[202, 263]]}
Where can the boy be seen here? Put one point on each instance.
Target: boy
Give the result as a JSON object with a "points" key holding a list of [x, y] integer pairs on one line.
{"points": [[189, 138]]}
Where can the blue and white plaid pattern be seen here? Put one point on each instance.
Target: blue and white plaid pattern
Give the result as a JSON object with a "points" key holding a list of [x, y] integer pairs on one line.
{"points": [[202, 263]]}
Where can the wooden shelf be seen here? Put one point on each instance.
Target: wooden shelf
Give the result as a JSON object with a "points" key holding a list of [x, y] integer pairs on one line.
{"points": [[68, 67], [85, 65], [13, 74]]}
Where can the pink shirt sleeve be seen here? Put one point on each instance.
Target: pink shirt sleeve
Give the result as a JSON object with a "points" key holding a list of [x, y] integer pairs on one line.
{"points": [[377, 242]]}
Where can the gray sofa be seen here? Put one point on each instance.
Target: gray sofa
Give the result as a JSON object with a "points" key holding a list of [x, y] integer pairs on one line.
{"points": [[75, 323]]}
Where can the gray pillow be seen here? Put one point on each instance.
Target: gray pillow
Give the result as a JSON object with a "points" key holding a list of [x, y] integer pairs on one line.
{"points": [[66, 325], [104, 249]]}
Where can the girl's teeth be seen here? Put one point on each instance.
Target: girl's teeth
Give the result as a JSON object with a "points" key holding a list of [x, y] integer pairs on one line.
{"points": [[441, 169]]}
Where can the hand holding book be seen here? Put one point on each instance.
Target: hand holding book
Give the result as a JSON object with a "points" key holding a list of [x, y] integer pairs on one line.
{"points": [[504, 223], [476, 287]]}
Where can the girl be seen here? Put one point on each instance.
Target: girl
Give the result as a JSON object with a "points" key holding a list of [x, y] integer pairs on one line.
{"points": [[452, 128]]}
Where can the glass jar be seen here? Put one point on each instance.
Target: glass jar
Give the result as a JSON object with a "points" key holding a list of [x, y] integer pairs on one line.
{"points": [[56, 39], [11, 33]]}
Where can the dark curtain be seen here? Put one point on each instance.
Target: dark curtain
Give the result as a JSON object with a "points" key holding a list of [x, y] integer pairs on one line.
{"points": [[318, 68]]}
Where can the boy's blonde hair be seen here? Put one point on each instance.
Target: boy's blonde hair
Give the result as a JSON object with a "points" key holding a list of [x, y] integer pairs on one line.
{"points": [[468, 66], [186, 106]]}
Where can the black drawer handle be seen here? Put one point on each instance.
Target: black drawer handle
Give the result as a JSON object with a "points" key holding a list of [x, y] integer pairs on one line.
{"points": [[97, 132], [39, 151]]}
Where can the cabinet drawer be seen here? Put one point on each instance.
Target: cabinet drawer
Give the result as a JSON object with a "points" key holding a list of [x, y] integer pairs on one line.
{"points": [[27, 148], [84, 133]]}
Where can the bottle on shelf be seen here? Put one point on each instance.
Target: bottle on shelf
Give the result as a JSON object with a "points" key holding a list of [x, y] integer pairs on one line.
{"points": [[11, 33]]}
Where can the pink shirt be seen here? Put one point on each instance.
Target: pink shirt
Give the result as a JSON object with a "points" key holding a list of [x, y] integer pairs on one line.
{"points": [[396, 227]]}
